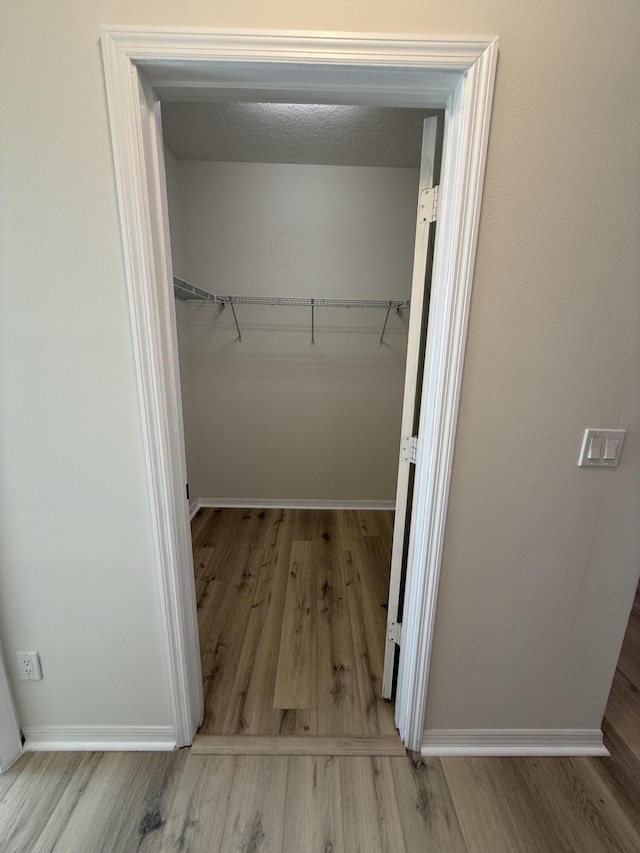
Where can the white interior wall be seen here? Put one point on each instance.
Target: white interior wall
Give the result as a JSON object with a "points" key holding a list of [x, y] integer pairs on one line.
{"points": [[274, 416], [541, 558]]}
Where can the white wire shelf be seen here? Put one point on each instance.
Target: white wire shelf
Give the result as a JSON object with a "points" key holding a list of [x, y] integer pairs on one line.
{"points": [[187, 292]]}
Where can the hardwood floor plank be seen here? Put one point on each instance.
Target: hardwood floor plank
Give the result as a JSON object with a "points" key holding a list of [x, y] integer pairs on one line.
{"points": [[253, 703], [576, 806], [349, 527], [221, 535], [305, 525], [372, 609], [619, 814], [303, 830], [227, 630], [254, 816], [224, 559], [71, 794], [199, 521], [295, 745], [332, 819], [377, 713], [370, 522], [9, 776], [620, 772], [198, 808], [204, 574], [295, 721], [496, 811], [313, 806], [217, 523], [389, 818], [387, 518], [122, 804], [261, 643], [31, 801], [360, 819], [339, 708], [376, 566], [545, 804], [623, 711], [296, 676], [428, 815]]}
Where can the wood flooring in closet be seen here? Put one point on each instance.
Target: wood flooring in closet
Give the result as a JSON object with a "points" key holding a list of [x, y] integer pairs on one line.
{"points": [[292, 608]]}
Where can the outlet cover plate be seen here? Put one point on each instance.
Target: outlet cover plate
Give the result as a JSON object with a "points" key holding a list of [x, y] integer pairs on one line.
{"points": [[29, 666], [601, 448]]}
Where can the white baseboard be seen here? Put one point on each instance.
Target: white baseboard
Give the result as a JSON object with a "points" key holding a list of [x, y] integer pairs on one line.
{"points": [[99, 738], [285, 503], [443, 742], [194, 506]]}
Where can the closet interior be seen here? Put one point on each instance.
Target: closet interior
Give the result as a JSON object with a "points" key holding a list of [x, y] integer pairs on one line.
{"points": [[292, 236]]}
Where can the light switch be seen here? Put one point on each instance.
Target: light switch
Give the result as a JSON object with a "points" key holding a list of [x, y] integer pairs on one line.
{"points": [[601, 448], [595, 448], [611, 448]]}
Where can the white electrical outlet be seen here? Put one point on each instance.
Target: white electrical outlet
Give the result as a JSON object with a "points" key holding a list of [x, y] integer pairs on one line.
{"points": [[29, 666]]}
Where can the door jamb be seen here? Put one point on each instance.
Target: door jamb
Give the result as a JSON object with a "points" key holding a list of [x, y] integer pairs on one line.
{"points": [[401, 70]]}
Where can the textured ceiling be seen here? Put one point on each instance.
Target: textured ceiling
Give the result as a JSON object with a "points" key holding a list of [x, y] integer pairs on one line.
{"points": [[315, 134]]}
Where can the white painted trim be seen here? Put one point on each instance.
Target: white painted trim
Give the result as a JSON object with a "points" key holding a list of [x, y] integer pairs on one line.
{"points": [[162, 44], [99, 738], [10, 740], [140, 178], [514, 742], [461, 180], [194, 506], [337, 68], [412, 389], [284, 503]]}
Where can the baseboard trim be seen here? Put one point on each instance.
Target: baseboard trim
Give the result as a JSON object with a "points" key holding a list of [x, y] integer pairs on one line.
{"points": [[285, 503], [512, 742], [99, 738], [194, 506]]}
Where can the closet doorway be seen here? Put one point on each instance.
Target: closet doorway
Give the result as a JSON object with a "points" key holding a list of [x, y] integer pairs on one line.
{"points": [[301, 238], [144, 65]]}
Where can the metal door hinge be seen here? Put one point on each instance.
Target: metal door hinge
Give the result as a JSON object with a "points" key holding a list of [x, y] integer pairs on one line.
{"points": [[428, 206], [187, 490], [393, 632], [408, 448]]}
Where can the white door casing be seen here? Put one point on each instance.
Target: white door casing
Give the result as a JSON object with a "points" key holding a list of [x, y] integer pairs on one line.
{"points": [[10, 741], [424, 225], [457, 74]]}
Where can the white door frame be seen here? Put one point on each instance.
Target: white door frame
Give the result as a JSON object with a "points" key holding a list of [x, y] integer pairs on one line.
{"points": [[143, 64], [10, 740]]}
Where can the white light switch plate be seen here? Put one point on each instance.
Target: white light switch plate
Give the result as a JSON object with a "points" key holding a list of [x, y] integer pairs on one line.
{"points": [[601, 448]]}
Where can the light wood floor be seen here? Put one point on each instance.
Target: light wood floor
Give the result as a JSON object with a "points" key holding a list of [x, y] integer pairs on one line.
{"points": [[292, 617], [125, 802]]}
